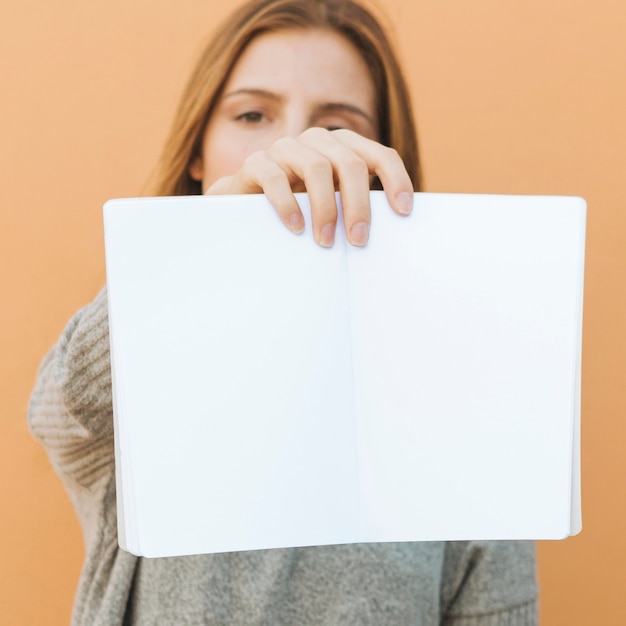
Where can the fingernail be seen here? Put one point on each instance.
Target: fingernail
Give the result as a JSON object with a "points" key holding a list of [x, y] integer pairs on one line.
{"points": [[404, 203], [359, 233], [327, 235], [296, 223]]}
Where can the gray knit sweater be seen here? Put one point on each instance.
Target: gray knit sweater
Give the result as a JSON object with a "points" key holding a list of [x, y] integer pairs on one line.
{"points": [[423, 584]]}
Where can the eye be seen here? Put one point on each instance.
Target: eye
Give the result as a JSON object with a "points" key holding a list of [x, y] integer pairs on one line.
{"points": [[334, 122], [251, 117]]}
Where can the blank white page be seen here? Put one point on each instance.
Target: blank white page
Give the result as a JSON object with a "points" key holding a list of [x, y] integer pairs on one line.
{"points": [[466, 322], [231, 355]]}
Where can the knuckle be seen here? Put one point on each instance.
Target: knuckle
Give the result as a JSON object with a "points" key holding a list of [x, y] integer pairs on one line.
{"points": [[283, 145], [354, 165], [254, 161], [391, 153], [314, 132], [260, 167], [342, 133], [318, 165], [272, 176]]}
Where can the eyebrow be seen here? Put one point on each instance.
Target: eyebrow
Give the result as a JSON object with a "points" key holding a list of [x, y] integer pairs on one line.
{"points": [[251, 91], [326, 107]]}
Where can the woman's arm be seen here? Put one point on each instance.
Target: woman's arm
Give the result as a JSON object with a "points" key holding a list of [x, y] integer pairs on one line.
{"points": [[70, 410], [489, 583]]}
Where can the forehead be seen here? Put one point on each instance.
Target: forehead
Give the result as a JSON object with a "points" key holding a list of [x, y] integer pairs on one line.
{"points": [[318, 60]]}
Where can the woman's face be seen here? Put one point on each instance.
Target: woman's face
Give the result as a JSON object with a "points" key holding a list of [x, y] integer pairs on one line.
{"points": [[284, 83]]}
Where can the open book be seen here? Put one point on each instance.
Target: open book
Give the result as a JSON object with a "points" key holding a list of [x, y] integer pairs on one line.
{"points": [[271, 393]]}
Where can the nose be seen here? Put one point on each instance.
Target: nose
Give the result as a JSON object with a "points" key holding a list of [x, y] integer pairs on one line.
{"points": [[295, 123]]}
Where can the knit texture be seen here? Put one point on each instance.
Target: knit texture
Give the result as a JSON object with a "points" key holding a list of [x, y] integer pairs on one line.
{"points": [[422, 584]]}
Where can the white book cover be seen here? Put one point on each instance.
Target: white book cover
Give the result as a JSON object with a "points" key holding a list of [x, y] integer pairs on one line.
{"points": [[271, 393]]}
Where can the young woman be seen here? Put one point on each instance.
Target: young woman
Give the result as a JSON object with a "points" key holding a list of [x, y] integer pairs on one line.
{"points": [[291, 95]]}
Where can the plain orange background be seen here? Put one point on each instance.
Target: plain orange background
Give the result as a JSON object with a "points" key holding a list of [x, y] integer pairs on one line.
{"points": [[511, 97]]}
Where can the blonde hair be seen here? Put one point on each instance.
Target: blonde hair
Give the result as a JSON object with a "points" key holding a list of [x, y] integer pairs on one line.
{"points": [[346, 17]]}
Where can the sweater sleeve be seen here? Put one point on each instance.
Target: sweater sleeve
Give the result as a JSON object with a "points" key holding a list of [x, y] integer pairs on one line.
{"points": [[71, 414], [489, 583], [70, 410]]}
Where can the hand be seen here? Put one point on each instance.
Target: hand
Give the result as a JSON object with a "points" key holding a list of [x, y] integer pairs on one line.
{"points": [[320, 161]]}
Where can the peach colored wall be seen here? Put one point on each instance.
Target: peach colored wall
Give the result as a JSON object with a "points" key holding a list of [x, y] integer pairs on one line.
{"points": [[511, 97]]}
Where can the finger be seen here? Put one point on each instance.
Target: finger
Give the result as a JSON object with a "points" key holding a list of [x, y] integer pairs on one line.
{"points": [[385, 163], [261, 174], [352, 175], [307, 165]]}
